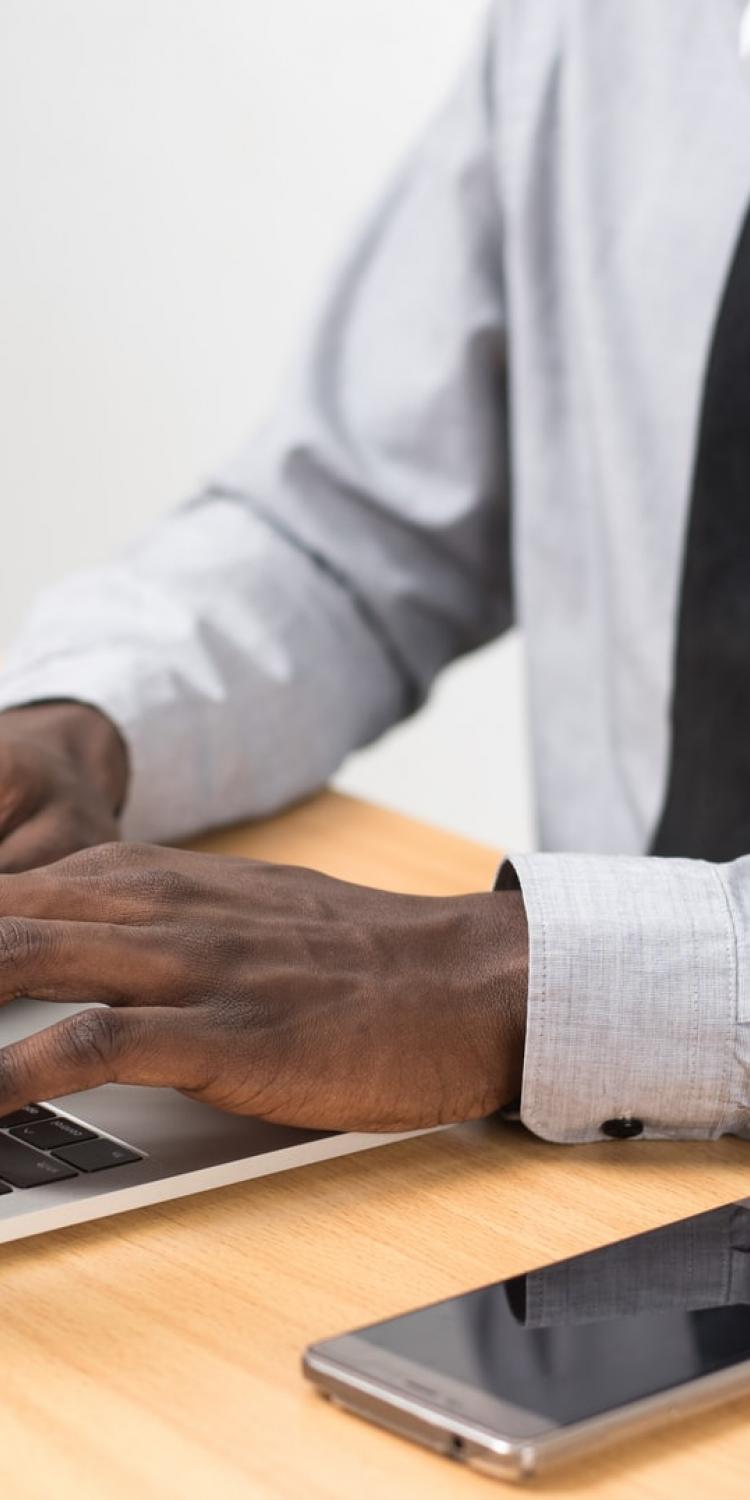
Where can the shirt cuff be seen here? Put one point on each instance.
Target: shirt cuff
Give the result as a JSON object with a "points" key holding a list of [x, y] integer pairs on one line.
{"points": [[632, 1011]]}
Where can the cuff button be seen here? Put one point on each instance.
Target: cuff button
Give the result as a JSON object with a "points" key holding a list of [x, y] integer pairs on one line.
{"points": [[623, 1129]]}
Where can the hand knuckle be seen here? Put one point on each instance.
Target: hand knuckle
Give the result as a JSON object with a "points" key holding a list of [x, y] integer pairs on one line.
{"points": [[175, 888], [237, 1019], [103, 857], [163, 886], [92, 1036], [96, 859], [124, 866], [8, 1074], [19, 942]]}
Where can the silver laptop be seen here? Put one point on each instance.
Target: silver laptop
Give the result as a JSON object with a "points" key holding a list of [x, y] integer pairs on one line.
{"points": [[117, 1147]]}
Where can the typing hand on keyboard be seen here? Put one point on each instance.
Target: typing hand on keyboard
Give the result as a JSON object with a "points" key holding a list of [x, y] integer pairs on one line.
{"points": [[264, 990]]}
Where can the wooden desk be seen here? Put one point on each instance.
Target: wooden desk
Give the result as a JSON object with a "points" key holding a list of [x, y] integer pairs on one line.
{"points": [[157, 1354]]}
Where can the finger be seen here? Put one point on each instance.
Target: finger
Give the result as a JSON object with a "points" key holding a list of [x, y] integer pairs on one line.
{"points": [[19, 809], [87, 961], [104, 883], [39, 841], [19, 799], [159, 1048]]}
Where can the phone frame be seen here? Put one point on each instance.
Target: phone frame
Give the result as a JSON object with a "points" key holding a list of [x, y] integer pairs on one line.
{"points": [[490, 1435]]}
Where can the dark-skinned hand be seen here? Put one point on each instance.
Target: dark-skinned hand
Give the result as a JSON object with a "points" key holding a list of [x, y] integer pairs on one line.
{"points": [[63, 772], [263, 989]]}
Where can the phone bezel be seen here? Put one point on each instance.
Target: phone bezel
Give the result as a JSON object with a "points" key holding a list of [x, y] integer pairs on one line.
{"points": [[406, 1379], [386, 1397]]}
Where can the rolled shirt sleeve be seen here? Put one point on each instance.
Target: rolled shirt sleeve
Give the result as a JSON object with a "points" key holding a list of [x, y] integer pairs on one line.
{"points": [[638, 1004]]}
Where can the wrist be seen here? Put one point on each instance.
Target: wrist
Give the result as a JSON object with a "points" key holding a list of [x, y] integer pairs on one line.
{"points": [[499, 955], [82, 735]]}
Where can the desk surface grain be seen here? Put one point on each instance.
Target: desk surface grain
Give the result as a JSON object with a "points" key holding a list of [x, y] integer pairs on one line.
{"points": [[157, 1353]]}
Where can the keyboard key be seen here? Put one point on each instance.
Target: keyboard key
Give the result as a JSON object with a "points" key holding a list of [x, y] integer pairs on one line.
{"points": [[48, 1133], [25, 1116], [94, 1156], [23, 1167]]}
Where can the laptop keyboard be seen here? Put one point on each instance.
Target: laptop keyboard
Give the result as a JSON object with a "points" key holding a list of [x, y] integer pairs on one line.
{"points": [[38, 1145]]}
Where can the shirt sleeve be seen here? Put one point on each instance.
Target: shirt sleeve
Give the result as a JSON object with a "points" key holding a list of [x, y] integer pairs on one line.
{"points": [[638, 996], [306, 599]]}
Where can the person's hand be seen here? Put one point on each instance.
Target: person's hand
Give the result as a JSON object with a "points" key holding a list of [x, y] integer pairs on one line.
{"points": [[63, 774], [264, 989]]}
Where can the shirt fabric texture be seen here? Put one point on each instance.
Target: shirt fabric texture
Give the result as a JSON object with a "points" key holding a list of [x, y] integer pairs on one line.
{"points": [[494, 422]]}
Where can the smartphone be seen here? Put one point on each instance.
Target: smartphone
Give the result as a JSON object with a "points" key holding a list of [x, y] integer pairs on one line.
{"points": [[515, 1376]]}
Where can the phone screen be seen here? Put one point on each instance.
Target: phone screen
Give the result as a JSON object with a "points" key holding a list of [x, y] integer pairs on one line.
{"points": [[582, 1336]]}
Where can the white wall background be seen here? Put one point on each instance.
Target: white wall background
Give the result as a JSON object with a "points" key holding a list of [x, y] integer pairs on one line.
{"points": [[175, 178]]}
